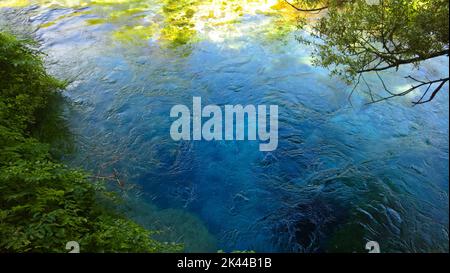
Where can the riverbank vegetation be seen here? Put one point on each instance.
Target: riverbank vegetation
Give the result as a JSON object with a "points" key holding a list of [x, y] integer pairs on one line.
{"points": [[44, 204]]}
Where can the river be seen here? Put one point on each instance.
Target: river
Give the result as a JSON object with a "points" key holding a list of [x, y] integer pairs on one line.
{"points": [[343, 174]]}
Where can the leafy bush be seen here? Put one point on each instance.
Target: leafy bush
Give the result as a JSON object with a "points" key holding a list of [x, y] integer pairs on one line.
{"points": [[44, 204]]}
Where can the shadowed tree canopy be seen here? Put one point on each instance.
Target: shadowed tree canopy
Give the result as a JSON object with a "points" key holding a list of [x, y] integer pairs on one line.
{"points": [[356, 37]]}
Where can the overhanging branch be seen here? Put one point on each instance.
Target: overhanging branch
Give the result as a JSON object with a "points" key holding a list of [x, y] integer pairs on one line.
{"points": [[441, 83], [305, 10], [398, 62]]}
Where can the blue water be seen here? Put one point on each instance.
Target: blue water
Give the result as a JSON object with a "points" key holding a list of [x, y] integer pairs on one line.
{"points": [[343, 174]]}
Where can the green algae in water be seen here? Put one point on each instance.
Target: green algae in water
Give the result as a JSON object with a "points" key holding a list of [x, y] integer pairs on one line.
{"points": [[174, 23], [179, 25], [134, 34]]}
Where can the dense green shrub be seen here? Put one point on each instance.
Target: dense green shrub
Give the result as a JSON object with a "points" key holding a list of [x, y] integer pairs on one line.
{"points": [[44, 204]]}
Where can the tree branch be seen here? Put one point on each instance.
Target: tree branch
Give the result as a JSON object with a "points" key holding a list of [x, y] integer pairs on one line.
{"points": [[305, 10], [399, 62], [435, 92], [441, 82]]}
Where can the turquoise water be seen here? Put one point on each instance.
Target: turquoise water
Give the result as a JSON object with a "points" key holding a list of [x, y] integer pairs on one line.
{"points": [[343, 174]]}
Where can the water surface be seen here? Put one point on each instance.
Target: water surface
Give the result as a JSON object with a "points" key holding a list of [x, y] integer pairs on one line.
{"points": [[343, 174]]}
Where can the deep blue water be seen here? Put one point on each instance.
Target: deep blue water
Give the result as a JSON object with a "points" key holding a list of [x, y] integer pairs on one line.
{"points": [[343, 174]]}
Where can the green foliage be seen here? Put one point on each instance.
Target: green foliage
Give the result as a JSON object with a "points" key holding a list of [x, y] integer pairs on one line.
{"points": [[361, 35], [44, 204], [25, 85]]}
